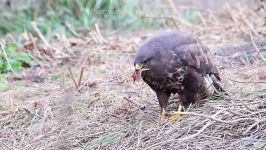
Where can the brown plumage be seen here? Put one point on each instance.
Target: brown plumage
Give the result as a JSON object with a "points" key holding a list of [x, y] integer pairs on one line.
{"points": [[177, 62]]}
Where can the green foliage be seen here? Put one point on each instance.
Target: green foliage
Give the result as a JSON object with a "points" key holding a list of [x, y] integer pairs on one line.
{"points": [[52, 16], [106, 138], [263, 55], [261, 92], [259, 144], [16, 58], [219, 97], [3, 84], [54, 77], [191, 15]]}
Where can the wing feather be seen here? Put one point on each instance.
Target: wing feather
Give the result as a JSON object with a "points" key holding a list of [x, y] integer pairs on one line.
{"points": [[197, 56]]}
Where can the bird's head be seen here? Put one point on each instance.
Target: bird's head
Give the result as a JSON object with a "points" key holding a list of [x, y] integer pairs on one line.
{"points": [[147, 58], [141, 63]]}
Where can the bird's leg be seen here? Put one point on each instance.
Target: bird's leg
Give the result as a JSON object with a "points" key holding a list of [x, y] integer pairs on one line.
{"points": [[176, 115], [163, 114], [197, 104], [190, 105], [196, 101], [180, 107], [163, 98]]}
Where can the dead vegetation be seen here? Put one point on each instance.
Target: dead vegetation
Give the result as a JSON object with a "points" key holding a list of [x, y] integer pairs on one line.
{"points": [[86, 98]]}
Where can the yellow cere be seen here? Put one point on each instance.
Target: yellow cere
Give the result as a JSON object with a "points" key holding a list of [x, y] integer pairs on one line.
{"points": [[138, 66]]}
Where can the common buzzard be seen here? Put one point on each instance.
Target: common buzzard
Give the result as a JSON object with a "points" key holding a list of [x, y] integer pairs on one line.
{"points": [[177, 62]]}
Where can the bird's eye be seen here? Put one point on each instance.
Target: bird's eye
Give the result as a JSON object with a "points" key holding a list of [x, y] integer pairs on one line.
{"points": [[146, 61]]}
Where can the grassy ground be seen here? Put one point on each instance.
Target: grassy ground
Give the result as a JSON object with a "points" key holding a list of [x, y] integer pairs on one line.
{"points": [[43, 108]]}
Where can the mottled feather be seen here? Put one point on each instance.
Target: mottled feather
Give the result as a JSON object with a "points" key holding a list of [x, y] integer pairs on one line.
{"points": [[177, 62]]}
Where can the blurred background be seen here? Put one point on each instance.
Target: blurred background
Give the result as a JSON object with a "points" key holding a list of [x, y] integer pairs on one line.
{"points": [[54, 16]]}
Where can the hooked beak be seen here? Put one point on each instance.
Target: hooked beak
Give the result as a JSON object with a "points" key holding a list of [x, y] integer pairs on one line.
{"points": [[137, 74]]}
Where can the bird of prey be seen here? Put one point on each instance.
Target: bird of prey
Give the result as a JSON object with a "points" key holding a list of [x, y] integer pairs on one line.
{"points": [[177, 62]]}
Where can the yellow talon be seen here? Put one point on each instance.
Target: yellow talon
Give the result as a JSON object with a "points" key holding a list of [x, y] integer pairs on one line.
{"points": [[191, 106], [176, 116], [180, 107], [163, 112]]}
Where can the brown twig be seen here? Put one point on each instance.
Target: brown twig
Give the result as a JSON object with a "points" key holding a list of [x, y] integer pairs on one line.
{"points": [[253, 42], [255, 46], [171, 3], [214, 119], [75, 33], [94, 37], [50, 48], [99, 33], [73, 79], [13, 39], [4, 113], [209, 123], [135, 103], [39, 62], [203, 128], [254, 124], [248, 24], [80, 76], [246, 106], [246, 81], [62, 79], [10, 101], [34, 26], [163, 17], [202, 19]]}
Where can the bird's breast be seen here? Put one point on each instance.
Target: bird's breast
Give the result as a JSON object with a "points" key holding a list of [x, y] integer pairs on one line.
{"points": [[167, 81]]}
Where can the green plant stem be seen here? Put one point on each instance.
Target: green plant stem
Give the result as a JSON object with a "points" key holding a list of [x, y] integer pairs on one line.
{"points": [[2, 45]]}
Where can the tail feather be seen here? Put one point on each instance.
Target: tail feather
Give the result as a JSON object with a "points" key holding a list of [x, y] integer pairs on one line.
{"points": [[218, 87], [211, 87]]}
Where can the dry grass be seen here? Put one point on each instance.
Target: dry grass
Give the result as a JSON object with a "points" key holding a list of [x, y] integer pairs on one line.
{"points": [[111, 112]]}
